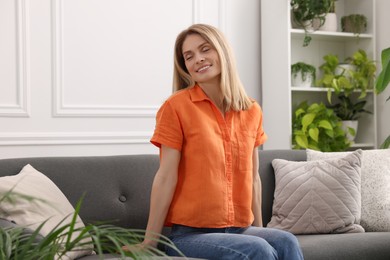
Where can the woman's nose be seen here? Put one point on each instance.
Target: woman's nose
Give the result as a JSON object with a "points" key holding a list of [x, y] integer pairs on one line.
{"points": [[201, 59]]}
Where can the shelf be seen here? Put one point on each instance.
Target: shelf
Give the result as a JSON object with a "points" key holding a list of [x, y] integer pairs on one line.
{"points": [[324, 35], [362, 145], [318, 89]]}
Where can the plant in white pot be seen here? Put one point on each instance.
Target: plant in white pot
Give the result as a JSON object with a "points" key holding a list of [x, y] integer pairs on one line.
{"points": [[349, 112], [330, 23], [305, 12], [302, 74]]}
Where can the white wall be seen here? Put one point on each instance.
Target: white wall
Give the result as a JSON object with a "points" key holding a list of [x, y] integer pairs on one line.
{"points": [[383, 42], [87, 77]]}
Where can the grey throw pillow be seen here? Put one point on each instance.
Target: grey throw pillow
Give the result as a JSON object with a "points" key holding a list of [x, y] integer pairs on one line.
{"points": [[314, 197], [375, 177]]}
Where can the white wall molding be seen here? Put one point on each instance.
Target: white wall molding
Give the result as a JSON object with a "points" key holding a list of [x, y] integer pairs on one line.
{"points": [[73, 138], [60, 108], [22, 106], [196, 11], [222, 13]]}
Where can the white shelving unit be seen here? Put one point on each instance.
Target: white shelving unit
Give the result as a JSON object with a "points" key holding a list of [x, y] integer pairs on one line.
{"points": [[282, 46]]}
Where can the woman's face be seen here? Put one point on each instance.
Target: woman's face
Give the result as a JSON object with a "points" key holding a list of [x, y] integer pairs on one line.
{"points": [[201, 59]]}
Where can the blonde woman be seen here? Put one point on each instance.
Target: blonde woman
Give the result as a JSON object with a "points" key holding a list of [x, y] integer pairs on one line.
{"points": [[207, 186]]}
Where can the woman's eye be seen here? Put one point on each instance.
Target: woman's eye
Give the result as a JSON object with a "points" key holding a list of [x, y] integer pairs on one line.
{"points": [[188, 57], [206, 49]]}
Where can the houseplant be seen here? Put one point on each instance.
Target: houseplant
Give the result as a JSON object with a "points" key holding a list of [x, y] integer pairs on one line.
{"points": [[355, 23], [332, 80], [383, 81], [18, 244], [349, 112], [303, 13], [302, 74], [361, 78], [317, 127]]}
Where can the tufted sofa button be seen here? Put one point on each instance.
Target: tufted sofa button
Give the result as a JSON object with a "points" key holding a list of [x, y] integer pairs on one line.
{"points": [[122, 198]]}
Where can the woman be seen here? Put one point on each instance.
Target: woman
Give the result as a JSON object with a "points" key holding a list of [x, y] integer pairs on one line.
{"points": [[207, 186]]}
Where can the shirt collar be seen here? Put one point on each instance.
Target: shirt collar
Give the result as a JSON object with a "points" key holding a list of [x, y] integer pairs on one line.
{"points": [[197, 94]]}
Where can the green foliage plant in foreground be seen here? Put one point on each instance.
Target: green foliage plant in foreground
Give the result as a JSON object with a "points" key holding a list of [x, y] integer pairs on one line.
{"points": [[17, 244], [382, 82]]}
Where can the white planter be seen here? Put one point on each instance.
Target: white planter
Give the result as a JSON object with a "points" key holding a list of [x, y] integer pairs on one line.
{"points": [[330, 24], [296, 80], [346, 124], [345, 68]]}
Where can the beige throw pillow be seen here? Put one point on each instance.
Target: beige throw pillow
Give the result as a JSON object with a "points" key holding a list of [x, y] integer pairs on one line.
{"points": [[31, 214], [375, 186], [318, 196]]}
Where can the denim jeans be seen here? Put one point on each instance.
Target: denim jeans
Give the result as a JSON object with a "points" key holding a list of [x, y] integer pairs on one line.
{"points": [[235, 243]]}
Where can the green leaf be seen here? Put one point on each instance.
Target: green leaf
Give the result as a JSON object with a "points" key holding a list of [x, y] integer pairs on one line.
{"points": [[383, 79], [351, 131], [314, 133], [386, 143], [302, 141], [307, 120], [325, 124]]}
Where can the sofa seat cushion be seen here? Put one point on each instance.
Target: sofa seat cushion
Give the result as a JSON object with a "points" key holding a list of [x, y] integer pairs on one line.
{"points": [[356, 246]]}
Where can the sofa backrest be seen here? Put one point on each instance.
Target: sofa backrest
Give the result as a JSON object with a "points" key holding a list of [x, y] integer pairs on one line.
{"points": [[268, 177], [117, 188]]}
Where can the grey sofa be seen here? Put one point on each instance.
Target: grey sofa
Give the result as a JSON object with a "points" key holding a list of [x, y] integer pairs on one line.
{"points": [[118, 188]]}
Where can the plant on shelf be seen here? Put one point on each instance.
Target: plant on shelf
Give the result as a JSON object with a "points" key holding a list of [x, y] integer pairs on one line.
{"points": [[355, 23], [304, 12], [332, 80], [349, 112], [383, 81], [361, 78], [302, 74], [317, 127]]}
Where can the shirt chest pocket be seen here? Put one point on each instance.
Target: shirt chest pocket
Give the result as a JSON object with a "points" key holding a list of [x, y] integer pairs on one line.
{"points": [[246, 143]]}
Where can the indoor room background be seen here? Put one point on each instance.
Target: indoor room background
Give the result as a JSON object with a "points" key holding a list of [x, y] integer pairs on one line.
{"points": [[87, 77]]}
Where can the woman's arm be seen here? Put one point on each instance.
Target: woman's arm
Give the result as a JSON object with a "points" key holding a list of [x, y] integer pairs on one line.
{"points": [[163, 188], [256, 195]]}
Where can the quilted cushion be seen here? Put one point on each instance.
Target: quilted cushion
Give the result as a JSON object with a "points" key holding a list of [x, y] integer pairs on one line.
{"points": [[375, 186], [317, 196]]}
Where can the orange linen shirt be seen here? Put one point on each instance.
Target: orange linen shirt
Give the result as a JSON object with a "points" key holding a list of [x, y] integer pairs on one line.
{"points": [[214, 187]]}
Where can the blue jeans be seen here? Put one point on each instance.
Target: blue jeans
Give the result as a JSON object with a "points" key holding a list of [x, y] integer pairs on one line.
{"points": [[235, 243]]}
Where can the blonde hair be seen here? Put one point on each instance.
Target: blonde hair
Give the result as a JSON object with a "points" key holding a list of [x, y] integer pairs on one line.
{"points": [[235, 97]]}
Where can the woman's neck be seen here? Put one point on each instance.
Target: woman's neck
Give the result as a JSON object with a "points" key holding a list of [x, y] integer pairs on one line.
{"points": [[214, 93]]}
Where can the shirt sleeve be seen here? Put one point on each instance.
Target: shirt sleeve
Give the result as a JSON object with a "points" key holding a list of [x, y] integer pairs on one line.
{"points": [[168, 130], [261, 136]]}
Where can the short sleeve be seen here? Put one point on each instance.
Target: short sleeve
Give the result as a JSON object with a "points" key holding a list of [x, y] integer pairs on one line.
{"points": [[168, 130], [261, 136]]}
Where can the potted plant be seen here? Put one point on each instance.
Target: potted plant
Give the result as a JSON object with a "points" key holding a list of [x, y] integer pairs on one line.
{"points": [[383, 81], [349, 112], [333, 78], [317, 127], [363, 76], [355, 23], [302, 74], [303, 13], [330, 23], [360, 77]]}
